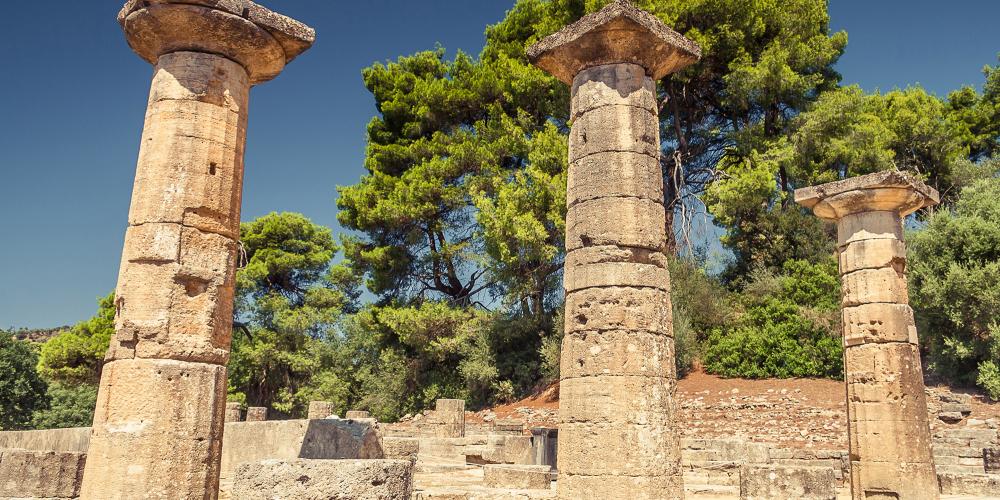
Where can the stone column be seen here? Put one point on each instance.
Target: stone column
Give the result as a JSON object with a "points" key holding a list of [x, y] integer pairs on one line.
{"points": [[319, 409], [617, 431], [256, 414], [160, 409], [890, 444], [234, 412]]}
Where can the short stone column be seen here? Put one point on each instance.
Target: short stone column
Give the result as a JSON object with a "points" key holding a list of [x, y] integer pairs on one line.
{"points": [[161, 405], [618, 436], [890, 444], [319, 409], [357, 414], [234, 412], [256, 414], [448, 418]]}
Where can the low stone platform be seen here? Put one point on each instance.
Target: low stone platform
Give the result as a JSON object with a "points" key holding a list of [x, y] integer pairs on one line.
{"points": [[305, 479], [40, 474], [764, 482], [517, 477]]}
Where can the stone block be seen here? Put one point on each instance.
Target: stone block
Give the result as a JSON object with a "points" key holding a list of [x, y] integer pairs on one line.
{"points": [[256, 414], [612, 85], [893, 480], [450, 405], [356, 414], [631, 487], [70, 439], [175, 409], [872, 254], [874, 285], [766, 482], [890, 441], [319, 409], [885, 225], [885, 373], [616, 399], [234, 412], [604, 274], [617, 352], [324, 479], [395, 448], [879, 322], [517, 450], [976, 485], [614, 174], [40, 474], [626, 222], [619, 308], [615, 128], [991, 460], [888, 190], [618, 449], [517, 477]]}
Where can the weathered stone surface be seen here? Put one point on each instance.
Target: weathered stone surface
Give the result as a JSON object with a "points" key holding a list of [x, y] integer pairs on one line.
{"points": [[614, 253], [991, 460], [886, 190], [863, 226], [190, 167], [869, 286], [355, 414], [616, 399], [617, 352], [619, 449], [256, 414], [517, 450], [628, 222], [324, 480], [518, 477], [885, 440], [234, 412], [979, 485], [614, 175], [879, 322], [892, 480], [448, 418], [40, 474], [767, 482], [618, 33], [322, 439], [152, 417], [397, 448], [608, 274], [615, 129], [260, 40], [619, 308], [631, 487], [319, 409], [612, 85], [71, 439], [450, 405], [872, 254]]}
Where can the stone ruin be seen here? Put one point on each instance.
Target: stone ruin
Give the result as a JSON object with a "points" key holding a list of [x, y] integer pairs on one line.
{"points": [[163, 429]]}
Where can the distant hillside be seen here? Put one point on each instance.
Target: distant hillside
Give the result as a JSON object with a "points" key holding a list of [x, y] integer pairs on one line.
{"points": [[39, 334]]}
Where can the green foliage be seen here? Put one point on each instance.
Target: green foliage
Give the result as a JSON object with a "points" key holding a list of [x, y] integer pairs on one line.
{"points": [[954, 276], [76, 356], [70, 405], [989, 379], [22, 390], [289, 300], [789, 328]]}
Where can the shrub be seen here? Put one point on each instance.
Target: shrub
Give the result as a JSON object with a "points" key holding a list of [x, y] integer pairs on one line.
{"points": [[70, 405], [790, 326], [954, 277]]}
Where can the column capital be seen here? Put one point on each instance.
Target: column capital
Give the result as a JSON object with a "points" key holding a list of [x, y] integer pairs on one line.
{"points": [[260, 40], [889, 191], [618, 33]]}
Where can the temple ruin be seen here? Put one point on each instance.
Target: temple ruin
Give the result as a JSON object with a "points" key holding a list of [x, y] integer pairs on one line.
{"points": [[163, 428]]}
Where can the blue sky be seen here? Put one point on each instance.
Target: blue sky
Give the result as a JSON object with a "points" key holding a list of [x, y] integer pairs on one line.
{"points": [[72, 97]]}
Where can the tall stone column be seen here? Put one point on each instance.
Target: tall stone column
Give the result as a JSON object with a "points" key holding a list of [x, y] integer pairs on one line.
{"points": [[889, 433], [617, 435], [161, 405]]}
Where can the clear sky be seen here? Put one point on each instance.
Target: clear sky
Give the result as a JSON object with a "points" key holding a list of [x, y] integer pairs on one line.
{"points": [[72, 97]]}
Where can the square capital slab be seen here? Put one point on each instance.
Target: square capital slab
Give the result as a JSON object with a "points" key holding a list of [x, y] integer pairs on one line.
{"points": [[618, 33], [889, 190], [260, 40]]}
